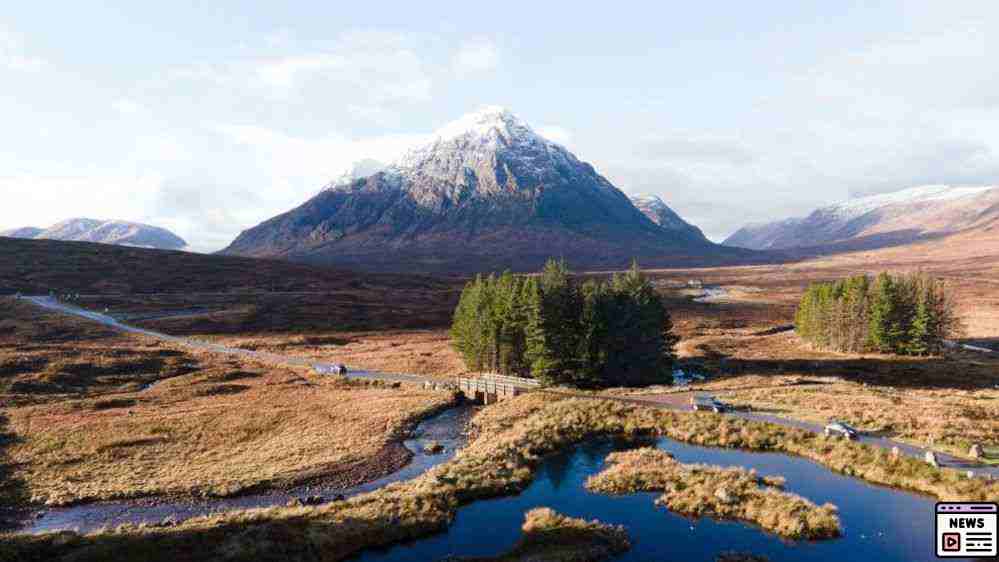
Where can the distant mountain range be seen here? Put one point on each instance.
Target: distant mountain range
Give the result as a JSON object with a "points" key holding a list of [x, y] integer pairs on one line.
{"points": [[122, 233], [487, 193], [655, 208], [890, 219]]}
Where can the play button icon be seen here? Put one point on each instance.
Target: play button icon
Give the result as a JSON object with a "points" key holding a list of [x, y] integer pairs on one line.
{"points": [[951, 542]]}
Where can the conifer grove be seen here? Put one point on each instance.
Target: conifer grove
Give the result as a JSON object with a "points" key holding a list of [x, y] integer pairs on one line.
{"points": [[550, 327], [902, 314]]}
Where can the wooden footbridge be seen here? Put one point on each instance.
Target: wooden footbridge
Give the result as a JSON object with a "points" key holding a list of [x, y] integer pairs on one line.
{"points": [[490, 388]]}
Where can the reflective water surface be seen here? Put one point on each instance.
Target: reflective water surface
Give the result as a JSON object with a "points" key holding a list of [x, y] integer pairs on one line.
{"points": [[879, 524]]}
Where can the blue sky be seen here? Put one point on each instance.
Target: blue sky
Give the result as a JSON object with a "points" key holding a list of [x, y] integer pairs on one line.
{"points": [[207, 120]]}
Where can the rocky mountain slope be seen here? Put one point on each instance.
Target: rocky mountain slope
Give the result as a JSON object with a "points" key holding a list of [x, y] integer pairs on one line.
{"points": [[23, 232], [890, 219], [486, 193], [122, 233], [658, 212]]}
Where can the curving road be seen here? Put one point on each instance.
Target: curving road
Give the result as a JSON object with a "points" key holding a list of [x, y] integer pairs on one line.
{"points": [[675, 401], [51, 303]]}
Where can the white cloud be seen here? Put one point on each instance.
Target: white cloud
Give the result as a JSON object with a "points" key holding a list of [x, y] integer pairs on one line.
{"points": [[50, 199], [555, 133], [285, 72], [304, 165], [159, 148], [476, 56], [13, 55], [127, 107]]}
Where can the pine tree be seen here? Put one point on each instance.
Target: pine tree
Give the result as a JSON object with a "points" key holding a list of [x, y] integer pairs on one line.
{"points": [[554, 330], [920, 334], [885, 333]]}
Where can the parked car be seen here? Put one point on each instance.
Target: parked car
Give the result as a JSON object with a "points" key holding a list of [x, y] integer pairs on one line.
{"points": [[330, 369], [841, 429], [705, 402]]}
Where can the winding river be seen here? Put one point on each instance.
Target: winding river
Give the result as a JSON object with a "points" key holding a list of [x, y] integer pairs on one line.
{"points": [[446, 428], [879, 524]]}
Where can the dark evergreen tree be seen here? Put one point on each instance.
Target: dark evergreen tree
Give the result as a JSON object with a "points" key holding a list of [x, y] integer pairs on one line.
{"points": [[885, 333], [907, 314], [554, 326]]}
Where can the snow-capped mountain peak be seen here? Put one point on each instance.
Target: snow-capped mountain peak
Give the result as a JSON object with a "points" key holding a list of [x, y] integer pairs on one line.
{"points": [[919, 194], [120, 232], [484, 191], [484, 121], [653, 207], [892, 218]]}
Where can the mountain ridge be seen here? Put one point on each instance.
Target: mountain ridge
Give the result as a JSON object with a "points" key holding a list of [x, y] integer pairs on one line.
{"points": [[486, 192], [117, 232], [895, 218]]}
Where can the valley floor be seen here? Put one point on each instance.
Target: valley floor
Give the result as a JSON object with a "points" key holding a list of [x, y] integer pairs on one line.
{"points": [[90, 414], [95, 415]]}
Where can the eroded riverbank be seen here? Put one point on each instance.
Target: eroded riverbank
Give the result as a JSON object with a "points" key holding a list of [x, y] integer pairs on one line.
{"points": [[517, 442], [878, 523], [447, 428]]}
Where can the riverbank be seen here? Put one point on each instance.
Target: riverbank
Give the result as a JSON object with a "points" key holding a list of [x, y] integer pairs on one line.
{"points": [[445, 428], [550, 536], [513, 438], [87, 424], [723, 492]]}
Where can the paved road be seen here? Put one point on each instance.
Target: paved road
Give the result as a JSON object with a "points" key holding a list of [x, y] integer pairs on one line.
{"points": [[675, 401], [681, 401], [51, 303]]}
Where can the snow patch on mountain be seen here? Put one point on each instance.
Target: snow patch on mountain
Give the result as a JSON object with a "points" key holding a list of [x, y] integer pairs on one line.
{"points": [[23, 232], [653, 207], [119, 232], [485, 191], [889, 218], [924, 193]]}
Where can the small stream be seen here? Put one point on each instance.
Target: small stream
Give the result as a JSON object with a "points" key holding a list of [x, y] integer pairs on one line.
{"points": [[879, 524], [446, 428]]}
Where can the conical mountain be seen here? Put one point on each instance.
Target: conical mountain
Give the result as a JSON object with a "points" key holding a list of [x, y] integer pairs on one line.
{"points": [[487, 192]]}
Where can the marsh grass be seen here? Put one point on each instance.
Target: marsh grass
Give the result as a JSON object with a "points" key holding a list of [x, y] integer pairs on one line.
{"points": [[700, 490], [513, 436], [550, 536]]}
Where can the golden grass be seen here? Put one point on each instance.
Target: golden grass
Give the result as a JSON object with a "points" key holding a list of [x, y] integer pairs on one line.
{"points": [[219, 426], [722, 493], [947, 403], [550, 536], [513, 437], [422, 352], [947, 420]]}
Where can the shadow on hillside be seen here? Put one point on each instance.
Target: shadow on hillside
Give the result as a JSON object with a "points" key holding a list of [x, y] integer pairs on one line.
{"points": [[867, 243], [305, 539], [13, 490], [917, 372]]}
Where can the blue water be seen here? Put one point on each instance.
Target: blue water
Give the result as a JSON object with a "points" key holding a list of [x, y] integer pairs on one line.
{"points": [[879, 524]]}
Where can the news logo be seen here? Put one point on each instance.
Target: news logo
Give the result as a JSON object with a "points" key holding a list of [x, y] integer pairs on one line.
{"points": [[966, 529]]}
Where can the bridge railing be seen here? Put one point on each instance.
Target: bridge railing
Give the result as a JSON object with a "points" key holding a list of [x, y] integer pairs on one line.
{"points": [[521, 382]]}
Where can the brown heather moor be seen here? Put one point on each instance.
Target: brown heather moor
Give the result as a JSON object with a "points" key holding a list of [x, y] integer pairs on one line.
{"points": [[514, 436], [211, 425]]}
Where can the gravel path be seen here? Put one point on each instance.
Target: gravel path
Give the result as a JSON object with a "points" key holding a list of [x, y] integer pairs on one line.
{"points": [[673, 401]]}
